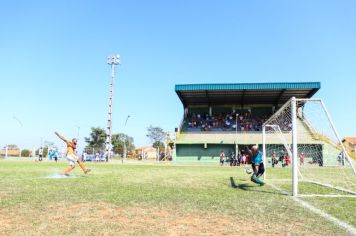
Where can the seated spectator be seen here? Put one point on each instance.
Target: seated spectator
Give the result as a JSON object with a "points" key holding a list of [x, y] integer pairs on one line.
{"points": [[227, 124]]}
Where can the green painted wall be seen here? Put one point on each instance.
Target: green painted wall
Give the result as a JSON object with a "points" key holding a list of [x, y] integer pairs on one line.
{"points": [[197, 152]]}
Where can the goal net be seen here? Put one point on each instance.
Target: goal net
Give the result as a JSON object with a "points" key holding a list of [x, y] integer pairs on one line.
{"points": [[303, 153]]}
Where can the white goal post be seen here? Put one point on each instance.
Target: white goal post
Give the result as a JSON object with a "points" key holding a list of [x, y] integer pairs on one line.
{"points": [[302, 137]]}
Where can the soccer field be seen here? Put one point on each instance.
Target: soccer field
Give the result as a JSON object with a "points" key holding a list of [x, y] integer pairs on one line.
{"points": [[155, 199]]}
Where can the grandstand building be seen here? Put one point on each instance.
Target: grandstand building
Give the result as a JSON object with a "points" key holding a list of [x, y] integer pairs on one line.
{"points": [[229, 117]]}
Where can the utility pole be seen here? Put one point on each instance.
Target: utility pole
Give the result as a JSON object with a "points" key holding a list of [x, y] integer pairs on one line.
{"points": [[113, 61]]}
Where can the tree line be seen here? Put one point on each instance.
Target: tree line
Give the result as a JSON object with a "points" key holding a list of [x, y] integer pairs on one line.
{"points": [[97, 138]]}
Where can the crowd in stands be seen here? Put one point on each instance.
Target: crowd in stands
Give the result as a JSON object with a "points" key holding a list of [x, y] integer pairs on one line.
{"points": [[243, 121]]}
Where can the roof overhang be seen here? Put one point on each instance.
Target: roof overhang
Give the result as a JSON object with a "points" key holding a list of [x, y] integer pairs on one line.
{"points": [[244, 93]]}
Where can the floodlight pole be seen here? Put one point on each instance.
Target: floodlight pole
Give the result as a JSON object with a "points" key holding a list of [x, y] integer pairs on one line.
{"points": [[113, 61]]}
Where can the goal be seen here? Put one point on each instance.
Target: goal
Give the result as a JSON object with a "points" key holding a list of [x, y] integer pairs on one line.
{"points": [[303, 153]]}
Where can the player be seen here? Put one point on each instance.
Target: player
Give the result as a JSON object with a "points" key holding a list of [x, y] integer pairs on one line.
{"points": [[71, 157], [257, 165]]}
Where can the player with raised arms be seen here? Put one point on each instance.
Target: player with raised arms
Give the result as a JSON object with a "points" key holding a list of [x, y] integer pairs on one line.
{"points": [[71, 157], [257, 165]]}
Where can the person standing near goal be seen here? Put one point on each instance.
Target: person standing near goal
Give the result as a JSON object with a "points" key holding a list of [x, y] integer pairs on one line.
{"points": [[70, 155], [257, 165], [222, 158], [302, 158]]}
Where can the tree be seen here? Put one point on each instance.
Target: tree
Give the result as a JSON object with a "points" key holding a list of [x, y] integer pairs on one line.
{"points": [[12, 147], [25, 153], [158, 144], [96, 140], [117, 140], [155, 134]]}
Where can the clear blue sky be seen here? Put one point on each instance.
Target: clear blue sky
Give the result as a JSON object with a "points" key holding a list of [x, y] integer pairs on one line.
{"points": [[54, 74]]}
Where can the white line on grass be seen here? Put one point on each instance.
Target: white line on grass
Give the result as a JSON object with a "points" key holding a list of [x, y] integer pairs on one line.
{"points": [[349, 228], [326, 195]]}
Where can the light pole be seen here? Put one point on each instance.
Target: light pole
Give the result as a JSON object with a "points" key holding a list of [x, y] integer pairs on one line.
{"points": [[20, 123], [113, 61], [125, 149]]}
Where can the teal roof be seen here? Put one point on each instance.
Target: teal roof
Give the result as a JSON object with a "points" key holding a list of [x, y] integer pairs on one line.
{"points": [[247, 86], [244, 93]]}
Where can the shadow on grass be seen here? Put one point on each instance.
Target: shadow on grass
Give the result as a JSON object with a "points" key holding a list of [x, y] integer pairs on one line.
{"points": [[252, 188]]}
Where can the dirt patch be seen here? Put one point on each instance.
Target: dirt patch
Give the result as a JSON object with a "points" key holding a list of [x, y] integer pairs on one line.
{"points": [[108, 219]]}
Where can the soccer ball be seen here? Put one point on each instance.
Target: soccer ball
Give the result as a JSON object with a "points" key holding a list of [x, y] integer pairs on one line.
{"points": [[249, 171]]}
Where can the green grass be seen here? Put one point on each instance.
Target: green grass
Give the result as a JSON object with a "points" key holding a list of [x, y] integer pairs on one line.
{"points": [[154, 199]]}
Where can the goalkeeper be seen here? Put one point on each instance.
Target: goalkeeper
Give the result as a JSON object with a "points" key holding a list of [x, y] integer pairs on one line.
{"points": [[257, 165], [71, 157]]}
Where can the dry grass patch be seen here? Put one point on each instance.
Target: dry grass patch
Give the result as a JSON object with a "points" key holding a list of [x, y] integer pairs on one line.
{"points": [[108, 219]]}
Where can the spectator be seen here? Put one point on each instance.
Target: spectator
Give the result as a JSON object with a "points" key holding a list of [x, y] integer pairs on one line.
{"points": [[222, 158], [55, 155], [243, 159], [302, 158], [274, 160], [50, 154], [287, 160], [232, 159], [84, 156], [40, 154], [161, 156], [339, 159]]}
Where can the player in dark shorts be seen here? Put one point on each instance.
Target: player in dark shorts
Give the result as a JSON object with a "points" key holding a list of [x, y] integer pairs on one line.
{"points": [[257, 165]]}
